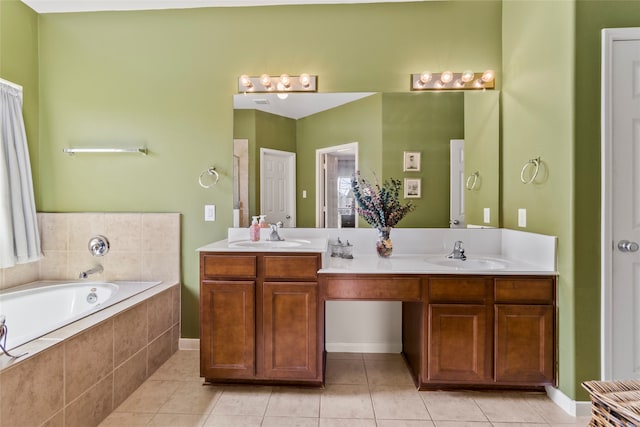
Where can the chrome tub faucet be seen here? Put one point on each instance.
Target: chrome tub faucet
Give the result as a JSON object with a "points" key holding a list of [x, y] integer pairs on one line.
{"points": [[97, 269], [458, 251]]}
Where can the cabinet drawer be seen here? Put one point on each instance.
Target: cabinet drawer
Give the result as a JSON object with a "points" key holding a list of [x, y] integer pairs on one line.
{"points": [[374, 288], [213, 265], [523, 290], [296, 267], [459, 290]]}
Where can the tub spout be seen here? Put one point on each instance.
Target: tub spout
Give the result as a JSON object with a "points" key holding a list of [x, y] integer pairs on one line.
{"points": [[97, 269]]}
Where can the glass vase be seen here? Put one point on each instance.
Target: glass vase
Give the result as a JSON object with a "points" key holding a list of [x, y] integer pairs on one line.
{"points": [[383, 245]]}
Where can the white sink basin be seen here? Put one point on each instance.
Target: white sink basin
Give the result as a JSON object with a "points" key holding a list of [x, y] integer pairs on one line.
{"points": [[267, 244], [468, 264]]}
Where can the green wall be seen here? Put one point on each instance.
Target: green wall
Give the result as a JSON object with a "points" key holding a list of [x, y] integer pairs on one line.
{"points": [[19, 64], [423, 122], [538, 120], [358, 121], [591, 18], [482, 155], [121, 78]]}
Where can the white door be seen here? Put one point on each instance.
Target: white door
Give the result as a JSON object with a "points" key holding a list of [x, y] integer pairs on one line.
{"points": [[277, 186], [621, 206], [456, 181]]}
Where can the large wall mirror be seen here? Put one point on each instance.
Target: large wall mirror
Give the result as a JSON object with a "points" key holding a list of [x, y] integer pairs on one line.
{"points": [[294, 155]]}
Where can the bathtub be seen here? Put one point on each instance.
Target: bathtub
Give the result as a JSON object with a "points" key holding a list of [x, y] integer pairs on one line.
{"points": [[33, 310]]}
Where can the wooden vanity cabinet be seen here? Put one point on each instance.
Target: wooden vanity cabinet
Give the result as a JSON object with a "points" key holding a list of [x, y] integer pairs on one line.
{"points": [[259, 317], [490, 331], [290, 317], [227, 316], [460, 340], [524, 330]]}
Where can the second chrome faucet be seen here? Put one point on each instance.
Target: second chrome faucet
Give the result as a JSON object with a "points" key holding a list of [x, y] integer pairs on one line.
{"points": [[458, 251]]}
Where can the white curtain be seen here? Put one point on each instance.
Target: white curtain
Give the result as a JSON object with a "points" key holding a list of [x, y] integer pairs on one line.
{"points": [[19, 238]]}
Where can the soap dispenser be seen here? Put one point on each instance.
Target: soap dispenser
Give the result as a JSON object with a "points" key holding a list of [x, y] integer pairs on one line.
{"points": [[263, 222], [254, 230]]}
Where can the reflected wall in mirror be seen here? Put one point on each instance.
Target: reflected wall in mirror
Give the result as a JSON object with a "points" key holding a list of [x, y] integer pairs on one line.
{"points": [[384, 125]]}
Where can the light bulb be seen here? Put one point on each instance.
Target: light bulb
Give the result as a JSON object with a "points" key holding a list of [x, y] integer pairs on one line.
{"points": [[459, 83], [285, 80], [439, 84], [245, 81], [478, 83], [488, 76], [305, 79], [425, 77], [467, 76], [265, 80], [446, 77]]}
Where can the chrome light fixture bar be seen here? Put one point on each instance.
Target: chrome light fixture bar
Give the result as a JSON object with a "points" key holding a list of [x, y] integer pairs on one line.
{"points": [[277, 84], [448, 80]]}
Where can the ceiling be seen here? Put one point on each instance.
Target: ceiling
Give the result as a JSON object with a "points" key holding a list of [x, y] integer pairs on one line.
{"points": [[295, 105], [60, 6]]}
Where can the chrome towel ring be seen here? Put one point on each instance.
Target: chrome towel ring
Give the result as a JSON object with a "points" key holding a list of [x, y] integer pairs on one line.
{"points": [[209, 174], [472, 181], [534, 166]]}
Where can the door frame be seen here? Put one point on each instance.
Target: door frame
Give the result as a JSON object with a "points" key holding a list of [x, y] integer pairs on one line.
{"points": [[320, 177], [456, 190], [609, 36], [291, 187]]}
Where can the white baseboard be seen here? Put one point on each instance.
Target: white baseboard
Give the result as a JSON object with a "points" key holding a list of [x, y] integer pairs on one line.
{"points": [[189, 344], [373, 347], [570, 406]]}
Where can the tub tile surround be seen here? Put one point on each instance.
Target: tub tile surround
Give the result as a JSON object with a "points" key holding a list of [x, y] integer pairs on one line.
{"points": [[144, 247], [78, 374]]}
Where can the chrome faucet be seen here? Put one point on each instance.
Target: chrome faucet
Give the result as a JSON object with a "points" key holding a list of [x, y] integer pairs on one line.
{"points": [[274, 236], [97, 269], [458, 251]]}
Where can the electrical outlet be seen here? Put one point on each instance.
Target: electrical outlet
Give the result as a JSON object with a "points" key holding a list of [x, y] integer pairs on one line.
{"points": [[522, 218], [209, 212], [487, 215]]}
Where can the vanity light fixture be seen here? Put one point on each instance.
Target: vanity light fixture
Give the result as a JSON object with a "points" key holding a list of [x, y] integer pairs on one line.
{"points": [[449, 80], [282, 83]]}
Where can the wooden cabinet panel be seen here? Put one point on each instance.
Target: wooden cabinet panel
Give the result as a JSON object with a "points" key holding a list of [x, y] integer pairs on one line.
{"points": [[525, 291], [389, 288], [524, 343], [293, 267], [459, 343], [461, 289], [217, 266], [290, 313], [227, 325]]}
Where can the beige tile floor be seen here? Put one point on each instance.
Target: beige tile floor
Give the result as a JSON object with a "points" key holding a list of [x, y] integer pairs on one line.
{"points": [[362, 390]]}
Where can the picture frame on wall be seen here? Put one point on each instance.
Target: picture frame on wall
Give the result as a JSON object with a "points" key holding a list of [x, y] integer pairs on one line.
{"points": [[412, 188], [411, 161]]}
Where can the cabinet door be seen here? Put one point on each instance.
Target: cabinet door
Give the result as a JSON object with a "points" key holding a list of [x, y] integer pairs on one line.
{"points": [[290, 317], [459, 344], [227, 325], [524, 344]]}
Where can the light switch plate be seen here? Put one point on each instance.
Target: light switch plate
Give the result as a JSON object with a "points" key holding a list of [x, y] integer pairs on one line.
{"points": [[487, 215], [522, 217], [209, 212]]}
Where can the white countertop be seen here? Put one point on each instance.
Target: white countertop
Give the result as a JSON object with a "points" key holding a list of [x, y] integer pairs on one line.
{"points": [[420, 264], [308, 244], [416, 251]]}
